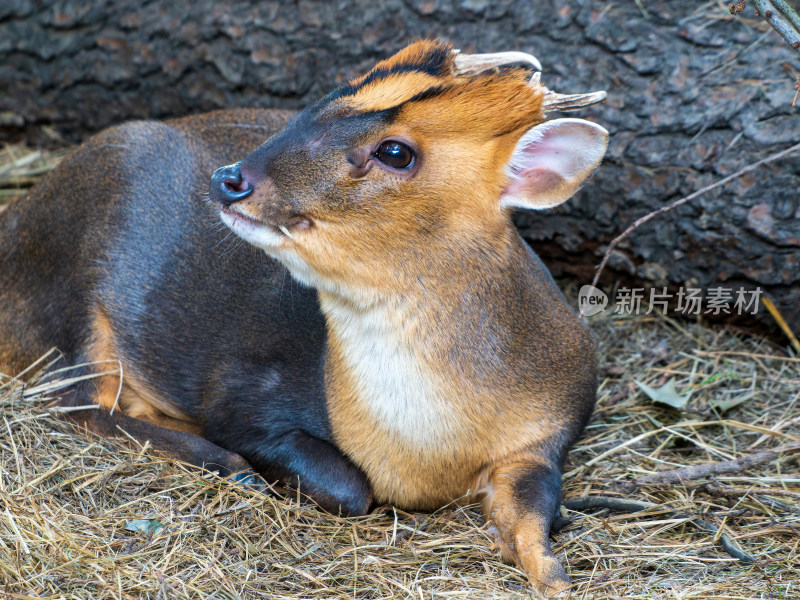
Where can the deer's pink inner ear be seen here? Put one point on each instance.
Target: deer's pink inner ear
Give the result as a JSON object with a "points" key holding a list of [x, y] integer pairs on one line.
{"points": [[532, 181], [551, 161]]}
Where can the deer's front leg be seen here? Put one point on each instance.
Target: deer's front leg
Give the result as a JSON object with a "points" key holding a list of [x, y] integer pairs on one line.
{"points": [[522, 497]]}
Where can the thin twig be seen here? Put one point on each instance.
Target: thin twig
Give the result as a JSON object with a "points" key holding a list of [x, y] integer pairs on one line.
{"points": [[782, 18], [788, 12], [717, 468], [615, 242], [790, 359], [717, 490], [730, 546], [617, 504]]}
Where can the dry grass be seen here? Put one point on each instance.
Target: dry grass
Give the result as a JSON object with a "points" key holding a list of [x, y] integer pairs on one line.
{"points": [[65, 501], [21, 167]]}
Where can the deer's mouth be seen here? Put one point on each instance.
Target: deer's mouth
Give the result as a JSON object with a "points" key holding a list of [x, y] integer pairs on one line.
{"points": [[252, 230], [261, 233]]}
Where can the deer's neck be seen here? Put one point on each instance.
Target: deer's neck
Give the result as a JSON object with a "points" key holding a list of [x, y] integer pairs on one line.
{"points": [[401, 359]]}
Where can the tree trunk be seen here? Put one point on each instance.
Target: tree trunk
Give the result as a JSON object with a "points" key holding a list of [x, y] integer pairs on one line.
{"points": [[694, 94]]}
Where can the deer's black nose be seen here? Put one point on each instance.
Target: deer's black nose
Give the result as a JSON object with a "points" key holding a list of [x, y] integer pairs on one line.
{"points": [[229, 186]]}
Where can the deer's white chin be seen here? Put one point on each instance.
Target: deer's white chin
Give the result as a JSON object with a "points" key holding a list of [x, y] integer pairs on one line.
{"points": [[252, 231]]}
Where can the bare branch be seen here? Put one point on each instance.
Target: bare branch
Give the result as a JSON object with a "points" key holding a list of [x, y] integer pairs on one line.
{"points": [[716, 468], [782, 18], [615, 242], [738, 492]]}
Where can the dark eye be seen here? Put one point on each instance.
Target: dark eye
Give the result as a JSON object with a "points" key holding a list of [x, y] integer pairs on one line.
{"points": [[395, 155]]}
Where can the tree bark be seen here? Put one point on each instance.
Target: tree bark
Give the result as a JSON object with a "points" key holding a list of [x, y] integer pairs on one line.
{"points": [[694, 94]]}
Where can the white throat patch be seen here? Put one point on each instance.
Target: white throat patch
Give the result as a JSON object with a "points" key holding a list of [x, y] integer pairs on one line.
{"points": [[399, 392]]}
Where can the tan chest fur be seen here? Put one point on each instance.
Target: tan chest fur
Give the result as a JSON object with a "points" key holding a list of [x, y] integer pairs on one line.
{"points": [[422, 432]]}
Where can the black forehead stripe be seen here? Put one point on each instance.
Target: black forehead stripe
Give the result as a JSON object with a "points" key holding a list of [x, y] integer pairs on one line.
{"points": [[387, 115], [391, 112], [431, 92], [349, 89], [435, 63], [376, 75]]}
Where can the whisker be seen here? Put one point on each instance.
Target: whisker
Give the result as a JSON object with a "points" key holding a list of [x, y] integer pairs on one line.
{"points": [[283, 285], [230, 233], [232, 249]]}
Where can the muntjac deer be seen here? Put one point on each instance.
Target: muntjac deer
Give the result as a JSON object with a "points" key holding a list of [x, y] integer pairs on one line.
{"points": [[425, 355]]}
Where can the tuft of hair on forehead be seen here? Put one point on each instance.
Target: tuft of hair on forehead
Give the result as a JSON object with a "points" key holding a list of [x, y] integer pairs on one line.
{"points": [[421, 84]]}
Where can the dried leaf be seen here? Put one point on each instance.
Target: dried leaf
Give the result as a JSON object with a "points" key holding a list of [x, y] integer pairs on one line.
{"points": [[725, 405], [666, 394], [144, 526]]}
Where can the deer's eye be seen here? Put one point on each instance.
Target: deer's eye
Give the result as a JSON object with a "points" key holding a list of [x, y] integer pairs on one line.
{"points": [[395, 154]]}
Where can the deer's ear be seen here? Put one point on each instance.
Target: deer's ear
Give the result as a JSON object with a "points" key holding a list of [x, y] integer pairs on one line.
{"points": [[551, 162]]}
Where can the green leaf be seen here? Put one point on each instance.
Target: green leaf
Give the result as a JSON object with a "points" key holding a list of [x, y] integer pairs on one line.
{"points": [[666, 394], [144, 526]]}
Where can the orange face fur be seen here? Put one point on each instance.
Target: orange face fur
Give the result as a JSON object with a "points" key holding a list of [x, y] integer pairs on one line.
{"points": [[354, 219]]}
